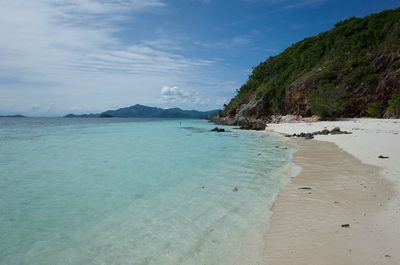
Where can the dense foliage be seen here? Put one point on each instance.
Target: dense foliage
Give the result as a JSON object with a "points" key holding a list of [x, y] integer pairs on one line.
{"points": [[342, 57], [394, 105], [327, 101], [375, 109]]}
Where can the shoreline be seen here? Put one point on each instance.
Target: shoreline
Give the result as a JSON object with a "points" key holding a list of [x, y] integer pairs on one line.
{"points": [[348, 185]]}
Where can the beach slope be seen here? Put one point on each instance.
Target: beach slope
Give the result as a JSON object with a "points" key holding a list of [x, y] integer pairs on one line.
{"points": [[343, 207]]}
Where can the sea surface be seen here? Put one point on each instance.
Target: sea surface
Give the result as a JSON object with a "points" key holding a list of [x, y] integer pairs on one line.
{"points": [[134, 191]]}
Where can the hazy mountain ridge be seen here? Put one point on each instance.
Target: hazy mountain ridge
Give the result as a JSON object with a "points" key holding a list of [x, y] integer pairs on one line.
{"points": [[13, 116], [141, 111]]}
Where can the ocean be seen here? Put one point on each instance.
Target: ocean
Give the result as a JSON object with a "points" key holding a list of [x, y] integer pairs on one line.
{"points": [[136, 191]]}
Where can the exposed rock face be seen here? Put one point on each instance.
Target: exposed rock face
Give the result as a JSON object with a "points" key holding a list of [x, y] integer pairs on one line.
{"points": [[358, 96], [251, 124], [255, 109], [250, 116], [295, 100], [387, 81], [243, 122]]}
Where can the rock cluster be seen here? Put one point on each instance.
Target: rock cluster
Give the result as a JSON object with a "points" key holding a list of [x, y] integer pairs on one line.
{"points": [[251, 124], [291, 118], [243, 122], [335, 130]]}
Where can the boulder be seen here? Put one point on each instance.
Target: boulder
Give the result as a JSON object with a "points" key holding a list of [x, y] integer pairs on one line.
{"points": [[216, 129], [335, 130], [309, 136], [325, 132], [383, 157]]}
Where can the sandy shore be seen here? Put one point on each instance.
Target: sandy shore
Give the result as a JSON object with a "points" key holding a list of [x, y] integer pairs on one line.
{"points": [[346, 184]]}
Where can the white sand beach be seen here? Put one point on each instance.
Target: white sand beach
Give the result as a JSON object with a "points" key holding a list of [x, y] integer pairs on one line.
{"points": [[348, 185]]}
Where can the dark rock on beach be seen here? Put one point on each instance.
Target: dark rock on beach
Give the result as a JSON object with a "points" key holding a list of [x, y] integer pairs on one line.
{"points": [[334, 131], [383, 157], [216, 129], [308, 136]]}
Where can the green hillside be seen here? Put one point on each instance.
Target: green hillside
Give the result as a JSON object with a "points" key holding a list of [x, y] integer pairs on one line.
{"points": [[359, 59]]}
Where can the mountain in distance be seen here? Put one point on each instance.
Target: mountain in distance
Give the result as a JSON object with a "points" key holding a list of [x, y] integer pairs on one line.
{"points": [[13, 116], [356, 62], [141, 111], [91, 115]]}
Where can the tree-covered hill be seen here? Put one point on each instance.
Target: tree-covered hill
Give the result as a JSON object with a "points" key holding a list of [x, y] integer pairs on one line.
{"points": [[357, 64], [141, 111]]}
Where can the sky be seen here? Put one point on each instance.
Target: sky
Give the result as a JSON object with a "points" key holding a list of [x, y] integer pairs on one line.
{"points": [[83, 56]]}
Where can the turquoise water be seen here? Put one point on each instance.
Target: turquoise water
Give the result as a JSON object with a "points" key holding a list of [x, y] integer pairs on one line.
{"points": [[120, 191]]}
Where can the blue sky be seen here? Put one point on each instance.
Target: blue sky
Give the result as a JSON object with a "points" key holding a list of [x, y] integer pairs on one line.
{"points": [[62, 56]]}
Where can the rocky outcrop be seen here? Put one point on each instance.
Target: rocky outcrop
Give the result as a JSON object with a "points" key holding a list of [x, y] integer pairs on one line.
{"points": [[335, 130], [250, 116], [384, 82], [255, 109], [291, 118], [251, 124], [296, 96], [243, 122]]}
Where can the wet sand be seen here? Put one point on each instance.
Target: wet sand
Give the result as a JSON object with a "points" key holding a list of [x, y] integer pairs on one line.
{"points": [[333, 189]]}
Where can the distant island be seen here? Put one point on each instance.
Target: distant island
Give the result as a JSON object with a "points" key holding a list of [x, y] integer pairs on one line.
{"points": [[91, 115], [141, 111], [13, 116]]}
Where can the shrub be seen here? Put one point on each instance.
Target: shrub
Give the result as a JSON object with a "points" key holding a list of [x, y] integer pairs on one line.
{"points": [[393, 109], [327, 101], [375, 110]]}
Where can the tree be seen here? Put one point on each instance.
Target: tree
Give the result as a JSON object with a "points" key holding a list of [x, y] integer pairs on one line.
{"points": [[375, 109], [327, 101], [393, 109]]}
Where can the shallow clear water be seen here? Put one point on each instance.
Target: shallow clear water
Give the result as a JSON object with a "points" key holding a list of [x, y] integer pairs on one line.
{"points": [[126, 191]]}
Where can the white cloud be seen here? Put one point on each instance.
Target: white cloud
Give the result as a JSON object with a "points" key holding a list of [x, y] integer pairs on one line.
{"points": [[176, 94], [42, 37], [68, 52]]}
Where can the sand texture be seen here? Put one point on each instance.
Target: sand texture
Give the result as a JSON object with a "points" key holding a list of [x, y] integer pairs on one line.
{"points": [[337, 188]]}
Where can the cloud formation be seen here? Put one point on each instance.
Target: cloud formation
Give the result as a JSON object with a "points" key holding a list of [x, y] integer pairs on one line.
{"points": [[69, 49], [41, 37], [178, 95]]}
